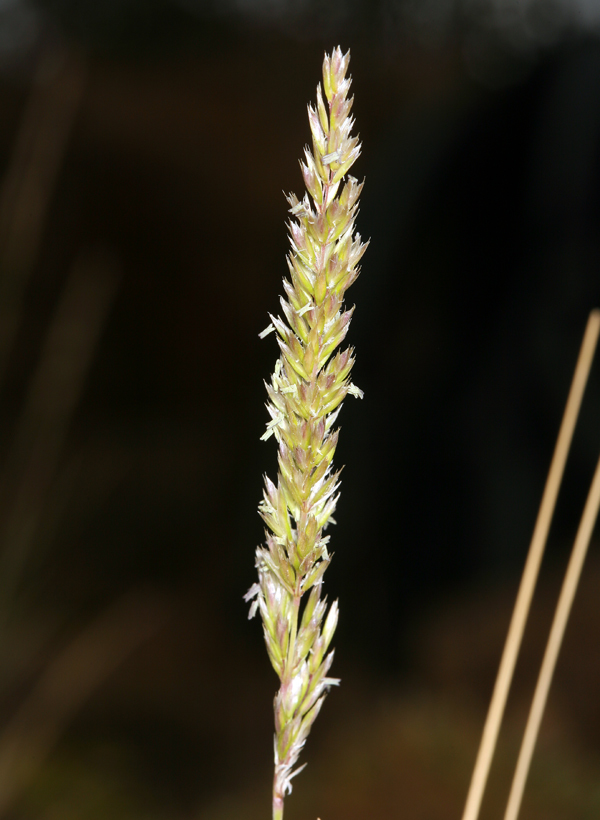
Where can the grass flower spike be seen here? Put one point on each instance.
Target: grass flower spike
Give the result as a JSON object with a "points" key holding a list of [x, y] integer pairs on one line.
{"points": [[307, 388]]}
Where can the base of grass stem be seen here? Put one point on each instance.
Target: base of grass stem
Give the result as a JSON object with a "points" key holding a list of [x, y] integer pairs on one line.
{"points": [[277, 807]]}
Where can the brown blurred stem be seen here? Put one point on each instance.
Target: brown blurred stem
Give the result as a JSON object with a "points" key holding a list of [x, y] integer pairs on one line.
{"points": [[28, 184], [53, 395], [67, 682]]}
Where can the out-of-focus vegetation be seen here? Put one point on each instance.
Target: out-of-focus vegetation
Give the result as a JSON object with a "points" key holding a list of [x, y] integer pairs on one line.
{"points": [[143, 150]]}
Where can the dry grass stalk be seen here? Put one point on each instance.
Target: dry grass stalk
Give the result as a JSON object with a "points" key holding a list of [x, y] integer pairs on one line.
{"points": [[308, 386], [561, 616], [526, 590], [30, 179], [67, 682], [53, 395]]}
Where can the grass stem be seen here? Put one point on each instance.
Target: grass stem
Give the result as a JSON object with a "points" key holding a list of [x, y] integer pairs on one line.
{"points": [[561, 616], [531, 571]]}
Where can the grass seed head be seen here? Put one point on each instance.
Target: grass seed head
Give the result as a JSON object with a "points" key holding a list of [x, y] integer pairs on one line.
{"points": [[307, 388]]}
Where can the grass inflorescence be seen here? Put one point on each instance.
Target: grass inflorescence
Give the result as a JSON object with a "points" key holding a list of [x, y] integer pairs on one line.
{"points": [[307, 388]]}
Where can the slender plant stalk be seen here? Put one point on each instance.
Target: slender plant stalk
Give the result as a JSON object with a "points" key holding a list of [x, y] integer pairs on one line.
{"points": [[65, 684], [30, 178], [561, 616], [531, 570], [36, 446], [305, 395]]}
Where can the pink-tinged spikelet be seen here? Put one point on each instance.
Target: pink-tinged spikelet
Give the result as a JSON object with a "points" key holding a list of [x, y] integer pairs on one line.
{"points": [[307, 388]]}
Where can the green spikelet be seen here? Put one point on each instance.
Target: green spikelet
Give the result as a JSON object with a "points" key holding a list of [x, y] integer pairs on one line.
{"points": [[307, 389]]}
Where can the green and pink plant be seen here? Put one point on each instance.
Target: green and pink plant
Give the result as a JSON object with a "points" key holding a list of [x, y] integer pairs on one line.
{"points": [[307, 388]]}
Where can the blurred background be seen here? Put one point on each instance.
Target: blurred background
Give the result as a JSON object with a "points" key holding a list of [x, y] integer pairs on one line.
{"points": [[144, 146]]}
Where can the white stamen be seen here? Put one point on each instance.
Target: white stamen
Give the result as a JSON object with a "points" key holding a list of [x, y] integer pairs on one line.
{"points": [[269, 329], [254, 590], [335, 156], [299, 209], [272, 425], [356, 391]]}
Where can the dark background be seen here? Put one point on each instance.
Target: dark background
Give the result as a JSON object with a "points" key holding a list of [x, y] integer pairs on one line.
{"points": [[144, 147]]}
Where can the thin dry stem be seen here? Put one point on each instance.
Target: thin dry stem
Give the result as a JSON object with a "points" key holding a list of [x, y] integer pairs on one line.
{"points": [[67, 682], [52, 398], [30, 179], [561, 616], [531, 570]]}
